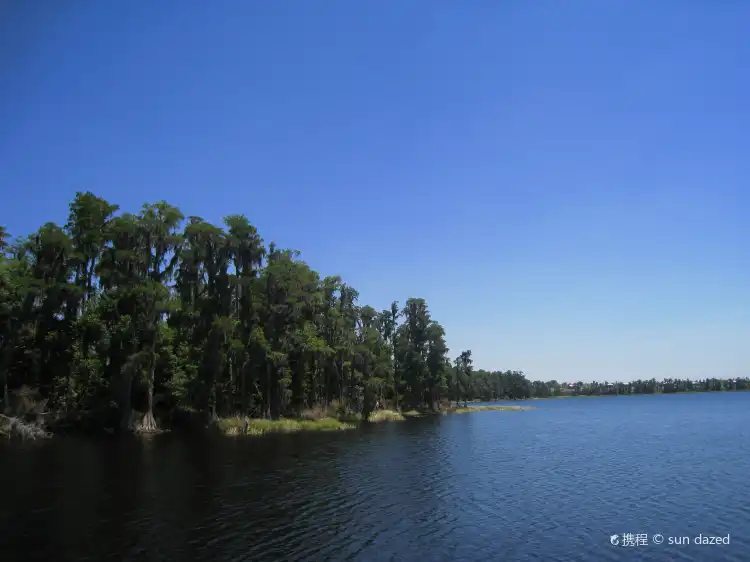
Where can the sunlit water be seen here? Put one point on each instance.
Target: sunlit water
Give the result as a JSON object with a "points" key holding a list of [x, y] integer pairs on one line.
{"points": [[549, 484]]}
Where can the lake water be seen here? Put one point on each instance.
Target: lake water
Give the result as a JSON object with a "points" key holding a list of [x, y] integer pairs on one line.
{"points": [[550, 484]]}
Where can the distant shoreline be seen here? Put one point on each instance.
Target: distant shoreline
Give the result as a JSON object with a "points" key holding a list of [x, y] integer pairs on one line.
{"points": [[680, 392]]}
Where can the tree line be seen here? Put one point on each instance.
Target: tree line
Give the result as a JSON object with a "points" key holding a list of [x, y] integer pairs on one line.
{"points": [[490, 386], [116, 313]]}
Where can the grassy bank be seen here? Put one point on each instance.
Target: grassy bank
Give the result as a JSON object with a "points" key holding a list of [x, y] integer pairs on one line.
{"points": [[328, 420], [386, 415], [236, 426], [310, 420], [462, 410], [12, 427]]}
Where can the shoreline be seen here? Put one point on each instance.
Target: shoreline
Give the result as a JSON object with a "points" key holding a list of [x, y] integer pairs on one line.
{"points": [[236, 426], [681, 392], [254, 427], [20, 428]]}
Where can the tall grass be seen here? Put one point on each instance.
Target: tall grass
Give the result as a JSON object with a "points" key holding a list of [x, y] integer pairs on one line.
{"points": [[333, 418], [385, 415], [236, 425], [25, 415], [462, 410]]}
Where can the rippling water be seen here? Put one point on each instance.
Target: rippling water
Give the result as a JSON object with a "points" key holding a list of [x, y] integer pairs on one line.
{"points": [[549, 484]]}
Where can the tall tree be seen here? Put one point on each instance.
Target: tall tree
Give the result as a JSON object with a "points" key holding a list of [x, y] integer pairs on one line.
{"points": [[119, 317], [160, 240]]}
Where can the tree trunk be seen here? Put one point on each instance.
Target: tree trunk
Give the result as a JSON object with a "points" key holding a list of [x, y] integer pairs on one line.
{"points": [[369, 402], [4, 364], [311, 382], [149, 423], [243, 384], [6, 396], [125, 404], [215, 397], [275, 395], [298, 388], [326, 382], [267, 393]]}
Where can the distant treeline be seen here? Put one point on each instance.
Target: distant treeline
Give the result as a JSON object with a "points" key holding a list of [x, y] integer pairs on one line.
{"points": [[489, 386], [116, 313]]}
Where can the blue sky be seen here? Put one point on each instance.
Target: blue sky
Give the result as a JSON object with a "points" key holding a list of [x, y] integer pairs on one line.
{"points": [[565, 183]]}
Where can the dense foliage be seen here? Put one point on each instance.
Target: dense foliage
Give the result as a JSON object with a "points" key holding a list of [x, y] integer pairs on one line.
{"points": [[151, 312], [117, 312]]}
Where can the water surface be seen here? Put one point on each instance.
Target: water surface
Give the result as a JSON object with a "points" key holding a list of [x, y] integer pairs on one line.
{"points": [[549, 484]]}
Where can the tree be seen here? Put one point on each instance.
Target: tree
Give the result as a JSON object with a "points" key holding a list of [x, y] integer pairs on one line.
{"points": [[117, 318], [464, 370]]}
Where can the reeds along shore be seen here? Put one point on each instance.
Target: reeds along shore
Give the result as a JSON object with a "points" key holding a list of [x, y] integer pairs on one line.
{"points": [[321, 420]]}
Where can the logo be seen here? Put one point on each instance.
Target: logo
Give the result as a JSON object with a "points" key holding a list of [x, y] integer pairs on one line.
{"points": [[615, 539]]}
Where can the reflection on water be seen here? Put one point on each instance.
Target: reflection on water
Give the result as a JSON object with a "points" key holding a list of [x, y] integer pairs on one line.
{"points": [[549, 484]]}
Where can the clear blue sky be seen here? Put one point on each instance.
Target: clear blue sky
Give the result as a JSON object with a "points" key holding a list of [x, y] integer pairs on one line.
{"points": [[565, 183]]}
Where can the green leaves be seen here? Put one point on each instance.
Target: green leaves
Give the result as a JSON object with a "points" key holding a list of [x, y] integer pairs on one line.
{"points": [[123, 307]]}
